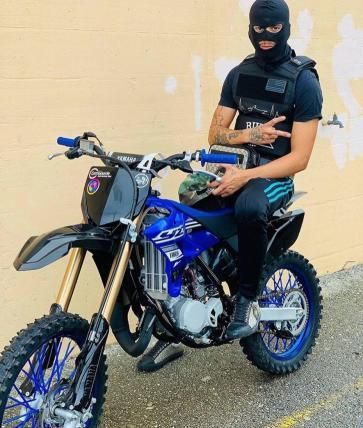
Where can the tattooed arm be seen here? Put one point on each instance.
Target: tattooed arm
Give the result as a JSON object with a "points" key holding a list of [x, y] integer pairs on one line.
{"points": [[220, 133]]}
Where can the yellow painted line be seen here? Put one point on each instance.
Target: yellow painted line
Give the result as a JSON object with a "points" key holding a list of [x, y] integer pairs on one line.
{"points": [[306, 413]]}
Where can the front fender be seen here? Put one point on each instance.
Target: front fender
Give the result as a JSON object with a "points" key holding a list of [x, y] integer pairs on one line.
{"points": [[40, 251]]}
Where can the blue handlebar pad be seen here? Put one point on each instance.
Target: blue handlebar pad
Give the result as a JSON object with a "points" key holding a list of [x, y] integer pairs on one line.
{"points": [[214, 158], [68, 142]]}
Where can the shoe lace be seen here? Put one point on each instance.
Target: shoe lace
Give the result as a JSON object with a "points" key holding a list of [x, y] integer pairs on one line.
{"points": [[158, 349], [241, 311]]}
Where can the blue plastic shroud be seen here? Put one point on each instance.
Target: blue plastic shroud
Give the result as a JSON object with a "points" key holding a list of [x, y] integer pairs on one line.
{"points": [[179, 230]]}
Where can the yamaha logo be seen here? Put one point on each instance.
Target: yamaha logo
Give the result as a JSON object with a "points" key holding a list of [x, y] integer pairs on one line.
{"points": [[142, 180]]}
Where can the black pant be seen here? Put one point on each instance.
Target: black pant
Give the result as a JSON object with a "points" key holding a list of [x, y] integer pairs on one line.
{"points": [[254, 205]]}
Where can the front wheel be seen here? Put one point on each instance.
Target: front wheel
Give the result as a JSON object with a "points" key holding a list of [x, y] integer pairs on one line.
{"points": [[36, 368], [281, 347]]}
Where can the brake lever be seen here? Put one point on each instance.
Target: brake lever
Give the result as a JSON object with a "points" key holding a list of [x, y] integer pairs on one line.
{"points": [[55, 155]]}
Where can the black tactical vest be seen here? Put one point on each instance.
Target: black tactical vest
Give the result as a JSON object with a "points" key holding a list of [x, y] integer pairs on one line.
{"points": [[261, 96]]}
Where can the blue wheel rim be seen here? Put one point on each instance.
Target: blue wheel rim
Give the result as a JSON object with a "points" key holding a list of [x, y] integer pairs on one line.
{"points": [[288, 278], [22, 409]]}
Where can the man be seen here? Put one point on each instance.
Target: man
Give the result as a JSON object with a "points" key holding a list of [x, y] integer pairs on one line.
{"points": [[278, 99]]}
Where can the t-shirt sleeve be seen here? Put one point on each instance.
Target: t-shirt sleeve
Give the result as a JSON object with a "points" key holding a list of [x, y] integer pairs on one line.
{"points": [[308, 97], [227, 99]]}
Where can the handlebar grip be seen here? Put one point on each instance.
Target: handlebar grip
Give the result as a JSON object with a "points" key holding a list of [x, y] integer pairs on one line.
{"points": [[68, 142], [217, 158]]}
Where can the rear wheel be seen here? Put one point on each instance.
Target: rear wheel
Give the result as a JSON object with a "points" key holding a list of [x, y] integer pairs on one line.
{"points": [[36, 368], [281, 347]]}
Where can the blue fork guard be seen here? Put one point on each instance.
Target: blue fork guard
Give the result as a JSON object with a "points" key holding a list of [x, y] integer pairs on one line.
{"points": [[40, 251]]}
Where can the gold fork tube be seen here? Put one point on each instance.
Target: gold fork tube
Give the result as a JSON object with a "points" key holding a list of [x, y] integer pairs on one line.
{"points": [[70, 277], [112, 292], [116, 275]]}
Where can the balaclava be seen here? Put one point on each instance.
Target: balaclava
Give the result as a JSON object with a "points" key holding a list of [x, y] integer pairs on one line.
{"points": [[265, 13]]}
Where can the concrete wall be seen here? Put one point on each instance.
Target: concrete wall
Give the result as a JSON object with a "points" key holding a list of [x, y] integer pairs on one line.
{"points": [[146, 76]]}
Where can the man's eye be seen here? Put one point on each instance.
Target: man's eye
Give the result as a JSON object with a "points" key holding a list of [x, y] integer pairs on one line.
{"points": [[257, 29], [274, 28]]}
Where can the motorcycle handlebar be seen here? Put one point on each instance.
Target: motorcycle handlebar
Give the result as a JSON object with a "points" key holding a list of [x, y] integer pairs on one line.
{"points": [[217, 158], [176, 161], [68, 142]]}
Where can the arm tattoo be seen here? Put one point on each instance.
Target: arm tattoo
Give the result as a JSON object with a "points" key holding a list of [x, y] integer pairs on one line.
{"points": [[222, 134], [235, 134], [221, 138], [256, 136]]}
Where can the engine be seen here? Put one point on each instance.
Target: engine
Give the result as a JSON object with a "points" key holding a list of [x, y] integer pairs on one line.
{"points": [[194, 316], [197, 308]]}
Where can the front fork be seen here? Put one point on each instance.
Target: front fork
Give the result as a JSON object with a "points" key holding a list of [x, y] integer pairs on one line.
{"points": [[79, 395]]}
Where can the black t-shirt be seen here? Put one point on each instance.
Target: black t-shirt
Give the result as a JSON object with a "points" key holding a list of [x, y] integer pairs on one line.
{"points": [[308, 96]]}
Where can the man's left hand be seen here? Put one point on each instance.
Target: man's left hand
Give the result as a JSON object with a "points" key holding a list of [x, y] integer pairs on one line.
{"points": [[232, 181]]}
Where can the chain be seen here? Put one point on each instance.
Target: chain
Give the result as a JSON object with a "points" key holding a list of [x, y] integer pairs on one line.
{"points": [[273, 294]]}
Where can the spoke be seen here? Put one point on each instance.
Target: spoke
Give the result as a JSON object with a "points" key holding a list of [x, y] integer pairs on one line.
{"points": [[277, 343], [60, 367], [269, 339], [56, 361], [276, 285], [54, 368], [28, 375], [272, 342], [18, 403], [288, 283], [67, 354], [16, 418], [23, 423], [25, 402], [281, 272], [34, 420], [38, 382], [39, 358], [284, 344]]}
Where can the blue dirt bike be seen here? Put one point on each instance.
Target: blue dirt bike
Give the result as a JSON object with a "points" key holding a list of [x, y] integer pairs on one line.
{"points": [[162, 261]]}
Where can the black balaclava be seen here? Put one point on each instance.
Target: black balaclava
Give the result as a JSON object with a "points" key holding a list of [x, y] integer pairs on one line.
{"points": [[265, 13]]}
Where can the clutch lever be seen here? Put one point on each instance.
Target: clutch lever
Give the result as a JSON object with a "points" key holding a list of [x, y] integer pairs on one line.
{"points": [[55, 155], [70, 154]]}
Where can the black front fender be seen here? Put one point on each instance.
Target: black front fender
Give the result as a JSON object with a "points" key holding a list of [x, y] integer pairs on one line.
{"points": [[40, 251]]}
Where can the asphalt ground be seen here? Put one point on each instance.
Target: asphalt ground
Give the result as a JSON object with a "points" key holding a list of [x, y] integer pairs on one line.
{"points": [[218, 387]]}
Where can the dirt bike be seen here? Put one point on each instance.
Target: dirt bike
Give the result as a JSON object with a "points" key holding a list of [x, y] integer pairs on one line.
{"points": [[165, 262]]}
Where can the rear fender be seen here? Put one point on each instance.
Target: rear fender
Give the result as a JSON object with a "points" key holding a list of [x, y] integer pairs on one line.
{"points": [[284, 231], [40, 251]]}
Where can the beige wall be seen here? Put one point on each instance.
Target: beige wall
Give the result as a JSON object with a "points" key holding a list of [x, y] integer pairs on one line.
{"points": [[146, 76]]}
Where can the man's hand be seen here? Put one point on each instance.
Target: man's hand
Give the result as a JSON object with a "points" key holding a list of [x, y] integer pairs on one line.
{"points": [[233, 180], [266, 133]]}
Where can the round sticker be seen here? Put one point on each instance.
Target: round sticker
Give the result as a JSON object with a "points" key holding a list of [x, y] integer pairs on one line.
{"points": [[93, 186], [142, 180]]}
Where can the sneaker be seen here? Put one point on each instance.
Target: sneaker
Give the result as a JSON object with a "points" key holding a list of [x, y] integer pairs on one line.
{"points": [[159, 355], [246, 318]]}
